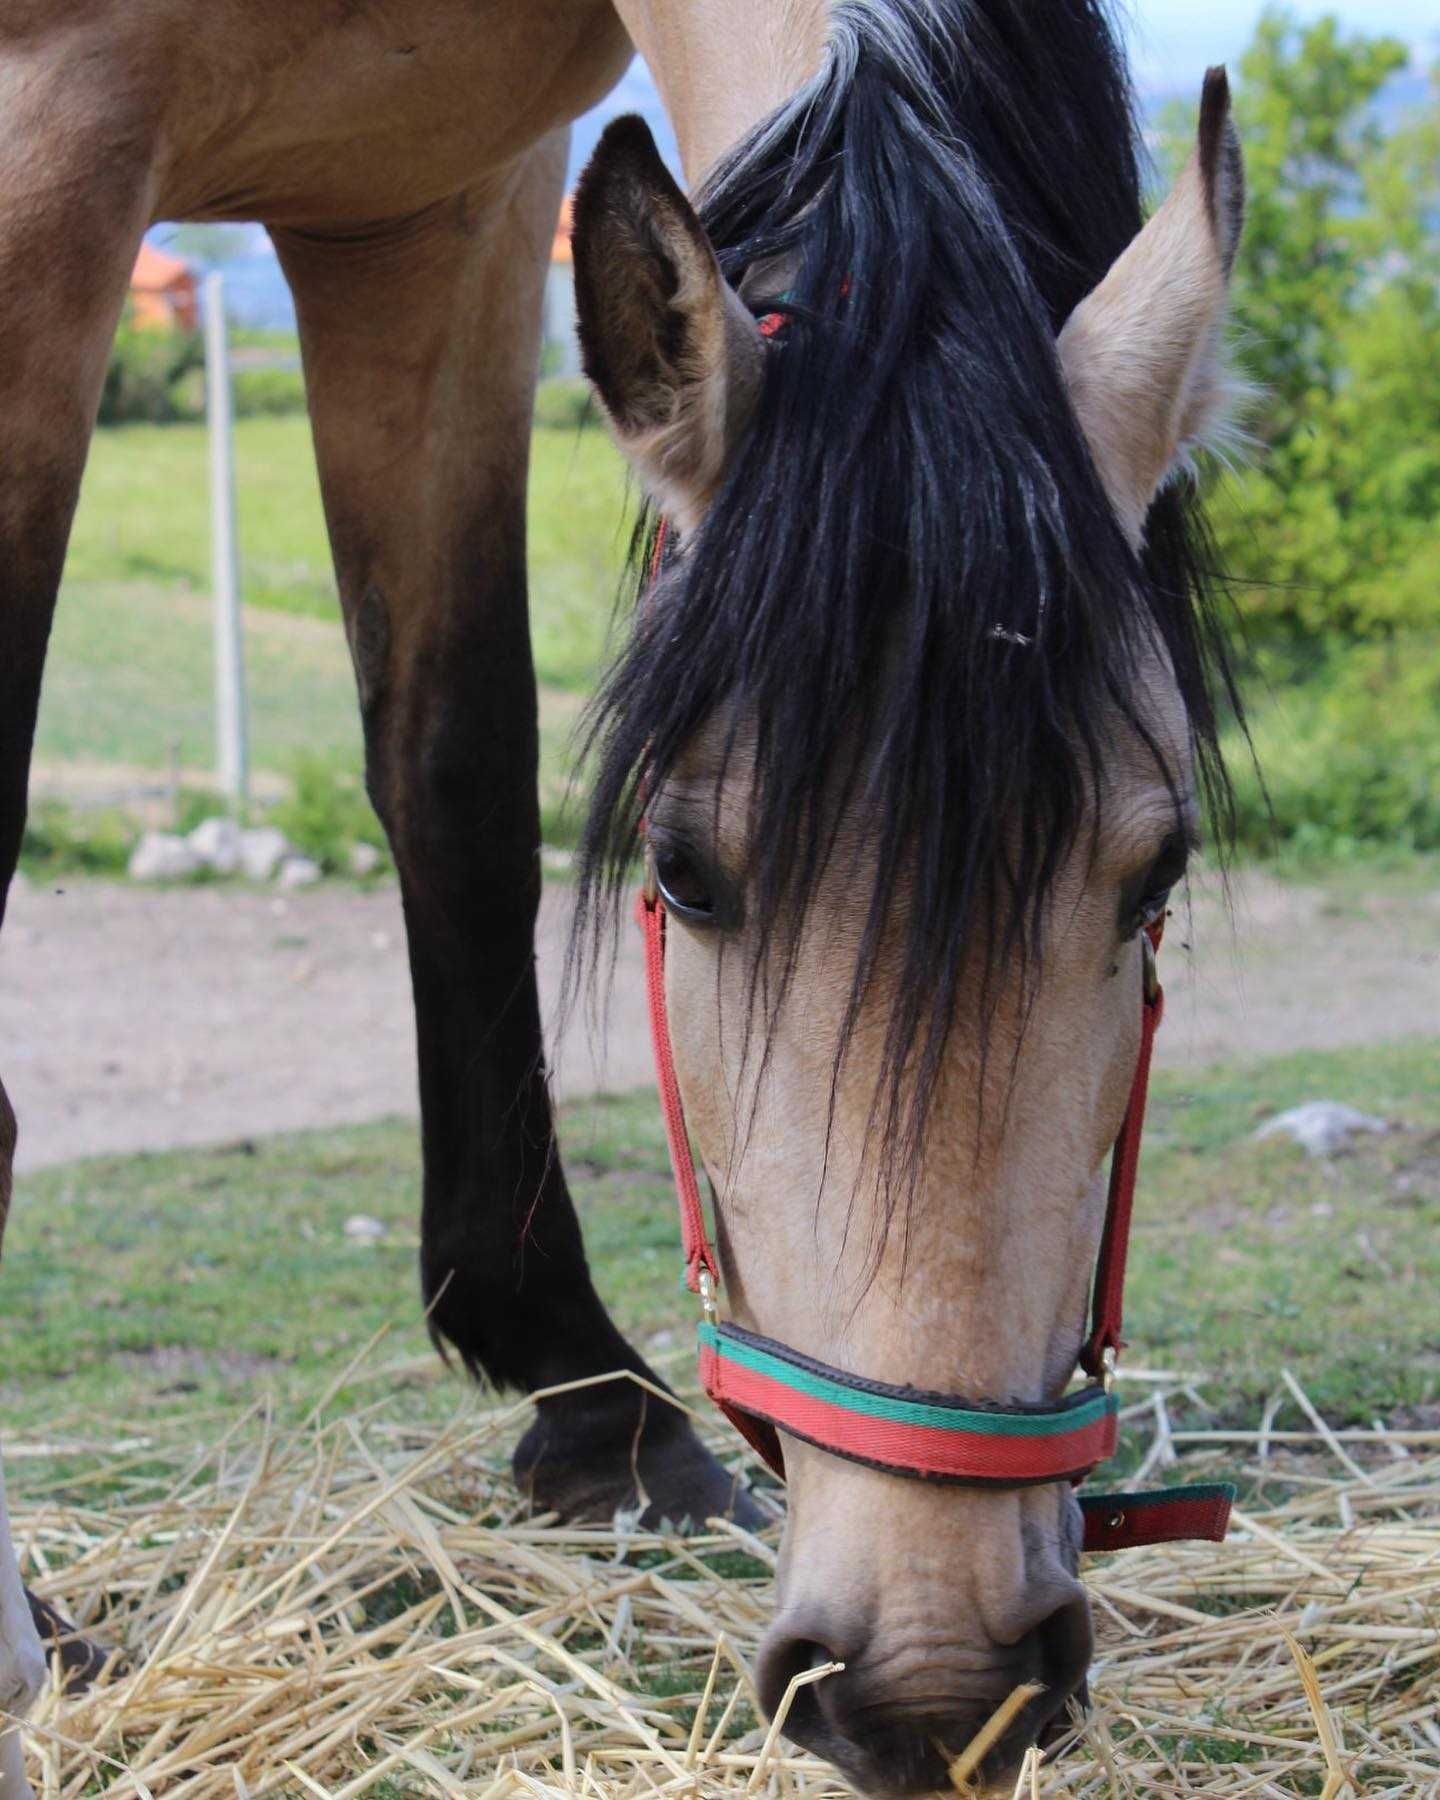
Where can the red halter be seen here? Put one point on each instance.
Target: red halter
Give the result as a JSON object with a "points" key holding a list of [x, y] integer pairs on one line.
{"points": [[765, 1388]]}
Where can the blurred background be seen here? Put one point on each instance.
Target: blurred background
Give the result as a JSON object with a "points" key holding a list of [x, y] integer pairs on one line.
{"points": [[153, 996]]}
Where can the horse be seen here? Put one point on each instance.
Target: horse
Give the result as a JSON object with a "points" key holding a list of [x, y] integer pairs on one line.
{"points": [[918, 712], [915, 730]]}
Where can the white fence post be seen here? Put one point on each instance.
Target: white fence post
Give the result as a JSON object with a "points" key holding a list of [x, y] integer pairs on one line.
{"points": [[232, 751]]}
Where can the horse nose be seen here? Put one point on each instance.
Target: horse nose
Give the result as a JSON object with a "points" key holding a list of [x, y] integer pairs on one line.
{"points": [[895, 1719]]}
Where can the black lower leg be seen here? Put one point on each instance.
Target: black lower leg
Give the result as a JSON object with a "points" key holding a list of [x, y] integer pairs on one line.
{"points": [[504, 1270]]}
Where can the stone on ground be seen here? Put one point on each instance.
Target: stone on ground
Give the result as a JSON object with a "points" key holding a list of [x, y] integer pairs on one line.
{"points": [[299, 872], [362, 1229], [217, 844], [262, 850], [162, 856], [1321, 1127]]}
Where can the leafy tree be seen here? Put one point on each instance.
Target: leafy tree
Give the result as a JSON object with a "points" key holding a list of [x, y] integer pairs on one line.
{"points": [[1332, 526], [1331, 529], [147, 374]]}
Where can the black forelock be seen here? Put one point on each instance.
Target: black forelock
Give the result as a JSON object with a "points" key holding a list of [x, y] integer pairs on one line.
{"points": [[912, 562]]}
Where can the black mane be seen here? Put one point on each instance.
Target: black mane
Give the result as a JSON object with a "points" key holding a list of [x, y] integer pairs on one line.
{"points": [[912, 553]]}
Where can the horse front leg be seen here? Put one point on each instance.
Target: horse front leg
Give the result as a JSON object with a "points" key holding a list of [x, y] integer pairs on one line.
{"points": [[76, 152], [421, 343], [22, 1660], [22, 1663]]}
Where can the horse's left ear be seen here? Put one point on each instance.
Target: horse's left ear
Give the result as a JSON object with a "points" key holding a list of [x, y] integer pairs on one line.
{"points": [[1143, 355], [672, 350]]}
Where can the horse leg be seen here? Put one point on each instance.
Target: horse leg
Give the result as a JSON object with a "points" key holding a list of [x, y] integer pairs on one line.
{"points": [[22, 1663], [421, 342], [75, 158]]}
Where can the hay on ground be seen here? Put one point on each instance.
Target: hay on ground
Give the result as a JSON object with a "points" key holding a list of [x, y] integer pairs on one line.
{"points": [[358, 1605]]}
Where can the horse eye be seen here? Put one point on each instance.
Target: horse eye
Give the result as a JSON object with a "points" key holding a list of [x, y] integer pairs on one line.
{"points": [[1164, 876], [684, 886]]}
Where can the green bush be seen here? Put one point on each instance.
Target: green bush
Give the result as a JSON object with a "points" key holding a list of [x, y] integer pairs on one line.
{"points": [[268, 392], [1350, 756], [59, 840], [326, 813], [147, 376]]}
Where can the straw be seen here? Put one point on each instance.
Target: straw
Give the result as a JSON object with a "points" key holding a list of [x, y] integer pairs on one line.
{"points": [[964, 1766], [359, 1605]]}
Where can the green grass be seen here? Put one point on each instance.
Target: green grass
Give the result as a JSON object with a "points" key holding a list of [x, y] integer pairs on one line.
{"points": [[1248, 1256], [129, 679], [143, 520], [128, 683], [152, 1284]]}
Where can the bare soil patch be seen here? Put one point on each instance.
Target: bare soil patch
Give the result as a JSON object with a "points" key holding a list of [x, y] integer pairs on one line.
{"points": [[140, 1019]]}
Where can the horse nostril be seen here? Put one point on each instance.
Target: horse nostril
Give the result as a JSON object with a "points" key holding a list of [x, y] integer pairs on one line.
{"points": [[781, 1660], [1066, 1642]]}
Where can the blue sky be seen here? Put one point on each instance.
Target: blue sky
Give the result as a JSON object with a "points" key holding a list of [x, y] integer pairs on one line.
{"points": [[1172, 41]]}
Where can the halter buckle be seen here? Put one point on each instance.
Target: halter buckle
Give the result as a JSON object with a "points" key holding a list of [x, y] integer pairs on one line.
{"points": [[1107, 1367], [707, 1297]]}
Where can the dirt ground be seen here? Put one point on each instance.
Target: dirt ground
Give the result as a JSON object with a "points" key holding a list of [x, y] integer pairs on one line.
{"points": [[140, 1019]]}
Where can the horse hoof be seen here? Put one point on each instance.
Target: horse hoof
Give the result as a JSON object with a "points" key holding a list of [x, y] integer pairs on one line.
{"points": [[662, 1473], [81, 1662]]}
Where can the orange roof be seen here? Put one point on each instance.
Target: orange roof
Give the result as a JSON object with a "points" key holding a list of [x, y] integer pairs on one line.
{"points": [[560, 249], [155, 271]]}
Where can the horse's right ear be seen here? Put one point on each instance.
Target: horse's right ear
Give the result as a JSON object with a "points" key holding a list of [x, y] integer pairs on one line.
{"points": [[672, 350]]}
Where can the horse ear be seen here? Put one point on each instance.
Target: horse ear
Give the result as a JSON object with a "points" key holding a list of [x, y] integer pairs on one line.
{"points": [[672, 350], [1143, 355]]}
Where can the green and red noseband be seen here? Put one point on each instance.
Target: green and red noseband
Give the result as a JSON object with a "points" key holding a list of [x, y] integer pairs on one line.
{"points": [[934, 1437], [766, 1389]]}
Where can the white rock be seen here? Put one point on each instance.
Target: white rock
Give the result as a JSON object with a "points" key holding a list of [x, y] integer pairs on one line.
{"points": [[217, 843], [299, 872], [1321, 1127], [365, 859], [162, 856], [365, 1230], [262, 850]]}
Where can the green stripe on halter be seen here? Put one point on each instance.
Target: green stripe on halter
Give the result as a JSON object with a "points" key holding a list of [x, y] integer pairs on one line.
{"points": [[905, 1412]]}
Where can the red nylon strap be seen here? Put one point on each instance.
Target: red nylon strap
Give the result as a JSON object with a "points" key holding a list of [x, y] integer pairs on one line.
{"points": [[1111, 1522], [1124, 1521], [1108, 1305], [699, 1257], [908, 1449]]}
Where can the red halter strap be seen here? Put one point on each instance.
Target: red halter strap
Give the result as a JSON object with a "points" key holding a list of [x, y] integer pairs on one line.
{"points": [[764, 1388], [1108, 1305]]}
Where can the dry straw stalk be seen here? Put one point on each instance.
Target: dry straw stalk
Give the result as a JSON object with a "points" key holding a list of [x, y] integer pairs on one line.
{"points": [[357, 1605]]}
